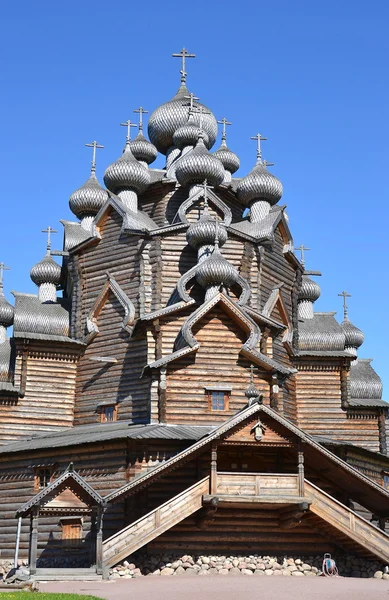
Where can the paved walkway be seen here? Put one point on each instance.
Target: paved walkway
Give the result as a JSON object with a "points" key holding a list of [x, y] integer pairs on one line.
{"points": [[225, 588]]}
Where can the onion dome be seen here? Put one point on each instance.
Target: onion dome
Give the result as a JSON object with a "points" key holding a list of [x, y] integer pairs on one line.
{"points": [[216, 270], [310, 290], [354, 336], [6, 311], [188, 134], [143, 150], [168, 117], [203, 232], [46, 271], [260, 184], [198, 165], [89, 198], [127, 173], [229, 159], [251, 393]]}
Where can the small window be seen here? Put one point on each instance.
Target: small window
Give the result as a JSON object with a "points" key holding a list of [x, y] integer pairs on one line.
{"points": [[42, 478], [217, 399], [108, 413], [386, 481]]}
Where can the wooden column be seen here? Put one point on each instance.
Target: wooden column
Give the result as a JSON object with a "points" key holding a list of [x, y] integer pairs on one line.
{"points": [[99, 540], [213, 478], [274, 392], [33, 540], [382, 431], [300, 466], [162, 395]]}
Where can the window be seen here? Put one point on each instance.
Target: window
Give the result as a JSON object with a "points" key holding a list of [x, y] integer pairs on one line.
{"points": [[386, 481], [71, 531], [108, 413], [218, 399], [42, 478]]}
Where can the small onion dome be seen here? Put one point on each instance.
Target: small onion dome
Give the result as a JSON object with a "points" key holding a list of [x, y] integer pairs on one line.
{"points": [[229, 159], [168, 117], [6, 312], [354, 336], [89, 198], [46, 271], [215, 271], [143, 150], [188, 134], [203, 232], [198, 165], [251, 392], [127, 173], [260, 184], [310, 290]]}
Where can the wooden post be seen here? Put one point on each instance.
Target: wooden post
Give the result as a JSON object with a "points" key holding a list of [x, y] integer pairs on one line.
{"points": [[93, 534], [33, 540], [345, 386], [99, 541], [382, 431], [213, 478], [300, 455]]}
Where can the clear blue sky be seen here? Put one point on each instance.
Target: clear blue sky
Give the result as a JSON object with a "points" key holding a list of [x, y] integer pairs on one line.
{"points": [[311, 76]]}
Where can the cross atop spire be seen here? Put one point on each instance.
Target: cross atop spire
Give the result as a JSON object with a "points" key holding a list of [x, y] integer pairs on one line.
{"points": [[259, 139], [49, 231], [141, 111], [206, 187], [183, 54], [128, 124], [224, 122], [2, 269], [267, 164], [345, 308], [201, 111], [302, 249], [192, 98], [94, 145]]}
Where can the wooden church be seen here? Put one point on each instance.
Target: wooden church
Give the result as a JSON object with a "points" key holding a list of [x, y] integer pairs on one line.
{"points": [[173, 355]]}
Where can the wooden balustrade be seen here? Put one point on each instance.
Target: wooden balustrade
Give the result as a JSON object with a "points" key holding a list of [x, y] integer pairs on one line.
{"points": [[257, 484]]}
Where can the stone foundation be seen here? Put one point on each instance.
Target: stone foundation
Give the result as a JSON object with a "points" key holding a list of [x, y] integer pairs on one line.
{"points": [[161, 565]]}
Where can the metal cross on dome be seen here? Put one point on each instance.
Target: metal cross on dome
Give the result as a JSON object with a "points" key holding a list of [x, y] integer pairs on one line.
{"points": [[128, 124], [2, 269], [259, 139], [302, 249], [345, 308], [49, 231], [95, 146], [183, 54], [192, 98], [224, 122], [201, 111], [141, 111]]}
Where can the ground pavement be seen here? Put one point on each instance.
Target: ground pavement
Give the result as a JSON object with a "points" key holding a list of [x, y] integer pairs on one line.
{"points": [[226, 588]]}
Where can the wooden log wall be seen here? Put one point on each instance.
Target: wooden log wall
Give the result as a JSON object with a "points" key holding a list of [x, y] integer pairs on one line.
{"points": [[49, 373], [319, 411], [103, 466]]}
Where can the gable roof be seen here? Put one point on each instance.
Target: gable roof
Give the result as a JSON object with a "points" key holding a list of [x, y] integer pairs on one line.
{"points": [[375, 497], [68, 480]]}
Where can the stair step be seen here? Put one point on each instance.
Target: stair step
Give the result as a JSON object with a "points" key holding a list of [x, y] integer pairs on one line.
{"points": [[68, 574]]}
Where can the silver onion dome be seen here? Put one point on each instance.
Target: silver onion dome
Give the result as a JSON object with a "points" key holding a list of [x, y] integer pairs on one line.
{"points": [[46, 271], [215, 271], [89, 198], [198, 165], [126, 173], [310, 290], [188, 134], [229, 159], [203, 232], [260, 184], [6, 311], [168, 117], [354, 336], [143, 150]]}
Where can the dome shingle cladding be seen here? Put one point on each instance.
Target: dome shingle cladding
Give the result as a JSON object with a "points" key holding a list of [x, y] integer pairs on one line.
{"points": [[167, 118], [198, 165], [364, 381], [6, 311], [203, 232], [89, 198], [215, 271], [321, 333], [143, 150], [188, 134], [354, 336], [260, 184], [229, 159], [46, 271], [127, 173], [310, 290]]}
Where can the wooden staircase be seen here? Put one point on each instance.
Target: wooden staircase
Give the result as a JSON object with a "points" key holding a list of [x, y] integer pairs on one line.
{"points": [[144, 530], [352, 529]]}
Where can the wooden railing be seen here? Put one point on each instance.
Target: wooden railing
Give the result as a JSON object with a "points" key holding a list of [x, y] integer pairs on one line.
{"points": [[144, 530], [257, 484], [348, 522]]}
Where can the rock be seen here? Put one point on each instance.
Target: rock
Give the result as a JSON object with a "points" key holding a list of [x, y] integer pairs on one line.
{"points": [[156, 572], [306, 567], [203, 572], [235, 562], [298, 561], [261, 566], [234, 571], [286, 572], [187, 565], [204, 567], [247, 572], [190, 572], [278, 573], [269, 572], [378, 575], [176, 564], [297, 574], [277, 566], [251, 566], [205, 560], [385, 576], [114, 575], [224, 571], [292, 568], [309, 574]]}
